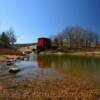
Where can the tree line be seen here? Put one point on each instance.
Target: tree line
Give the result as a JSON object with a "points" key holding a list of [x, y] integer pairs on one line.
{"points": [[7, 38], [76, 37]]}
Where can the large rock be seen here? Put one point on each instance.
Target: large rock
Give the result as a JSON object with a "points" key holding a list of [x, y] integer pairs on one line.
{"points": [[14, 70]]}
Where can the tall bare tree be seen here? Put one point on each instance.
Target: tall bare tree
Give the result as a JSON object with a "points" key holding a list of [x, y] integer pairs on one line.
{"points": [[77, 37], [11, 35], [4, 40]]}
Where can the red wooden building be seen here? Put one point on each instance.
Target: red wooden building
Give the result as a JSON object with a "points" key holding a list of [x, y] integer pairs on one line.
{"points": [[43, 44]]}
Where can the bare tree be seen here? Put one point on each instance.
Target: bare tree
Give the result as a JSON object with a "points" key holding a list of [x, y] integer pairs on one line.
{"points": [[11, 35], [4, 40], [77, 37]]}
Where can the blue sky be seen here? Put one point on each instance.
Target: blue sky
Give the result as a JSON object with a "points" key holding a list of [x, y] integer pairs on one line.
{"points": [[42, 18]]}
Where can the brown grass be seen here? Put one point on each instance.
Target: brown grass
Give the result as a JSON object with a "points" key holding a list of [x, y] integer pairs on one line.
{"points": [[9, 51]]}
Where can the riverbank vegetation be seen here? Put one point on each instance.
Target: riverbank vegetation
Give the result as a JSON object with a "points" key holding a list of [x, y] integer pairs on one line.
{"points": [[75, 41], [7, 40], [76, 38]]}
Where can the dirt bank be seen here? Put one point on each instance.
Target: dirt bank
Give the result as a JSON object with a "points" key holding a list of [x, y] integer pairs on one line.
{"points": [[74, 53]]}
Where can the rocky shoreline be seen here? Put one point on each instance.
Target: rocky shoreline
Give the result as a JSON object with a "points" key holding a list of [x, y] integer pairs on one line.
{"points": [[49, 88]]}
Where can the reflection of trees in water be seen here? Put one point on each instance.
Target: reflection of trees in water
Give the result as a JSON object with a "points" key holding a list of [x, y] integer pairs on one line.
{"points": [[81, 70], [69, 64]]}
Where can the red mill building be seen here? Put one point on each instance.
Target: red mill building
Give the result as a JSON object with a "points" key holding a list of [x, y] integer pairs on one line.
{"points": [[43, 44]]}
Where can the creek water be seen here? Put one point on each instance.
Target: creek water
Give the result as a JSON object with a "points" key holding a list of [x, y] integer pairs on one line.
{"points": [[79, 69]]}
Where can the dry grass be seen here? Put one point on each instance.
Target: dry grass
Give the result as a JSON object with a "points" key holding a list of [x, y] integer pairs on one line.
{"points": [[9, 51]]}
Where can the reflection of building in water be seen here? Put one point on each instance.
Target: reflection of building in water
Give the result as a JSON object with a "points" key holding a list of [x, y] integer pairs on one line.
{"points": [[49, 62], [42, 62]]}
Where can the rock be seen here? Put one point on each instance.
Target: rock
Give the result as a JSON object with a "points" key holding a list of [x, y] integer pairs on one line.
{"points": [[9, 63], [14, 70]]}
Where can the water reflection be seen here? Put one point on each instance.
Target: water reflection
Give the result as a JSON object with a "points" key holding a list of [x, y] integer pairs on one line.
{"points": [[77, 68], [42, 62], [68, 62]]}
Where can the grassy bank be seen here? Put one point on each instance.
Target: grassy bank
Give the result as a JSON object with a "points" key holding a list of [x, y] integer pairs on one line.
{"points": [[9, 51]]}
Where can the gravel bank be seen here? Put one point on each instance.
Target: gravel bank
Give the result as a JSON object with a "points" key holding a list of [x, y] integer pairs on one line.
{"points": [[49, 88]]}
